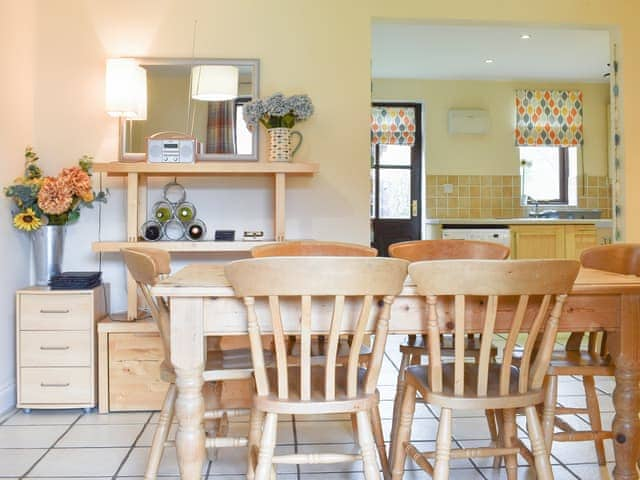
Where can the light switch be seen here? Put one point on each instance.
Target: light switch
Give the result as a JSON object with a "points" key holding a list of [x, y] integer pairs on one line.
{"points": [[447, 188]]}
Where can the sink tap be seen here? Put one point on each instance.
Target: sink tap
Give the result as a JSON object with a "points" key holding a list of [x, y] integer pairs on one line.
{"points": [[531, 200]]}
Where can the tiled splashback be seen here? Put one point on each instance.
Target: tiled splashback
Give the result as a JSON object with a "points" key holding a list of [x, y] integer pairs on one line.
{"points": [[595, 192], [498, 196]]}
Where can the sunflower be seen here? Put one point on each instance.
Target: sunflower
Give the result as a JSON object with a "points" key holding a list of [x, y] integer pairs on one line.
{"points": [[27, 221]]}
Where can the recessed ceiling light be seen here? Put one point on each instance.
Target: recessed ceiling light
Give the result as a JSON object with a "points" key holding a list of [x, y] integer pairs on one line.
{"points": [[525, 36], [489, 60]]}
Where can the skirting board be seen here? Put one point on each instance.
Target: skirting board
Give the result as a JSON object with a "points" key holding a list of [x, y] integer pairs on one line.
{"points": [[7, 397]]}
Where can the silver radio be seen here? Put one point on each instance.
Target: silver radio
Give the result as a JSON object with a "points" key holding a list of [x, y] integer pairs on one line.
{"points": [[174, 149]]}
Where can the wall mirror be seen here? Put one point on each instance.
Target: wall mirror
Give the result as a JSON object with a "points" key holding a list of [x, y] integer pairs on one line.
{"points": [[218, 126]]}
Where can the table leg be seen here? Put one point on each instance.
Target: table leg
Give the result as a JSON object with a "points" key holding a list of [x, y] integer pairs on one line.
{"points": [[626, 395], [187, 356]]}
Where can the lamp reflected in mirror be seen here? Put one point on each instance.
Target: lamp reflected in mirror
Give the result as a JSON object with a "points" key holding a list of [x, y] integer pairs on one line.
{"points": [[203, 98], [125, 93]]}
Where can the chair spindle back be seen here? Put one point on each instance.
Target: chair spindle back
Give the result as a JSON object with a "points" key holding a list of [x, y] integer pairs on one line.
{"points": [[489, 296], [333, 295]]}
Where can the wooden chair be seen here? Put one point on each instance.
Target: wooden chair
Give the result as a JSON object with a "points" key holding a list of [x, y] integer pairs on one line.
{"points": [[486, 296], [306, 248], [285, 292], [416, 346], [315, 248], [586, 360], [148, 266]]}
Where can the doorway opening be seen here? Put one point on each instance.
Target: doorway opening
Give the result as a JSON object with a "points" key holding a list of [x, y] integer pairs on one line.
{"points": [[396, 173]]}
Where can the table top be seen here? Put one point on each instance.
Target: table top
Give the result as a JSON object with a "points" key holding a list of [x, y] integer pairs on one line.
{"points": [[208, 280]]}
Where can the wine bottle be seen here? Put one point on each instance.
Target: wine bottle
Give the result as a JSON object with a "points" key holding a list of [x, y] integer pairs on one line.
{"points": [[151, 230], [186, 212], [162, 211], [196, 230]]}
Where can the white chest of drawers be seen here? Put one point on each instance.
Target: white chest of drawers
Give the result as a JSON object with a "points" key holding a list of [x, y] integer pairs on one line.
{"points": [[56, 347]]}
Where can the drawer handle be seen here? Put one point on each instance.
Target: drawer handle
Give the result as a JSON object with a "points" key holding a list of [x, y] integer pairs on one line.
{"points": [[54, 311], [67, 347], [61, 385]]}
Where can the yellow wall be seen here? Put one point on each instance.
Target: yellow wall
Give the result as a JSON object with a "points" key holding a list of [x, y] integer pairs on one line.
{"points": [[318, 48], [16, 131], [492, 153]]}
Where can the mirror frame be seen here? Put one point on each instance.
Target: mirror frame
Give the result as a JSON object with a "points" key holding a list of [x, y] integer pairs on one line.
{"points": [[200, 156]]}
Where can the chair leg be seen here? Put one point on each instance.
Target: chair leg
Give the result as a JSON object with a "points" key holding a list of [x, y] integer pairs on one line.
{"points": [[213, 428], [510, 438], [549, 410], [267, 447], [367, 446], [404, 362], [443, 446], [492, 423], [403, 432], [540, 452], [255, 433], [161, 433], [594, 416], [497, 460], [376, 424]]}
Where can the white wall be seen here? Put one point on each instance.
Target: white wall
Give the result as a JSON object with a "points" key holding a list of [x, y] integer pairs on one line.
{"points": [[16, 131]]}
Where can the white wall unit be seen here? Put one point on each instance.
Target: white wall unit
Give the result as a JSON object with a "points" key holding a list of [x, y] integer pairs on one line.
{"points": [[470, 122]]}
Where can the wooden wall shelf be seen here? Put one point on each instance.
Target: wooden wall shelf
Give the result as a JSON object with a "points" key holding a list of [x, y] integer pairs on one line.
{"points": [[181, 246], [205, 168], [137, 175]]}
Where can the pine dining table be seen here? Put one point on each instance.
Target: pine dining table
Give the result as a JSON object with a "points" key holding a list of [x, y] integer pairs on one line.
{"points": [[203, 304]]}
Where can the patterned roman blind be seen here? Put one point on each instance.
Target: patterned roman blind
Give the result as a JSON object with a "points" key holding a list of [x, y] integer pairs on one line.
{"points": [[393, 125], [549, 117]]}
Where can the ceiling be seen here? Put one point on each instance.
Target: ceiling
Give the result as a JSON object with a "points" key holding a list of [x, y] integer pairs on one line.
{"points": [[410, 50]]}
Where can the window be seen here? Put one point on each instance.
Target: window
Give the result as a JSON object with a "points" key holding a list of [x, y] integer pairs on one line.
{"points": [[549, 174], [391, 181]]}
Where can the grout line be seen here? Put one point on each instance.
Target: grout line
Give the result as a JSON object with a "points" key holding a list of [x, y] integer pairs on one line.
{"points": [[295, 444], [51, 447], [8, 415], [126, 457]]}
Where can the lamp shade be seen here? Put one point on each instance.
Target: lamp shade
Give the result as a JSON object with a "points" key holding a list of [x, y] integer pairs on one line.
{"points": [[126, 89], [214, 83]]}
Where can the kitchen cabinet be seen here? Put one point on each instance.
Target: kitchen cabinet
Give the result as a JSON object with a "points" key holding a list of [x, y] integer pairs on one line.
{"points": [[551, 241]]}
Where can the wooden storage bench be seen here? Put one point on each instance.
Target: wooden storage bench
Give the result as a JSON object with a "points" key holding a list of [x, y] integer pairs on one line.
{"points": [[129, 358]]}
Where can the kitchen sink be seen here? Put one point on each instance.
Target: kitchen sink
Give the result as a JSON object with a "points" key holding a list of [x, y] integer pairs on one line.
{"points": [[568, 214]]}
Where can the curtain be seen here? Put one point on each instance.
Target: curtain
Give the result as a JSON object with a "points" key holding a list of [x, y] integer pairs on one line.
{"points": [[393, 125], [220, 127], [549, 117]]}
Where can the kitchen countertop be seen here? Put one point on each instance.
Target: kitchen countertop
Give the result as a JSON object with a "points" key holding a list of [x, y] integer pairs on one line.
{"points": [[598, 222]]}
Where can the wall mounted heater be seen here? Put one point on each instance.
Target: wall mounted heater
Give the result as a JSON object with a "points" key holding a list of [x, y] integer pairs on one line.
{"points": [[470, 122]]}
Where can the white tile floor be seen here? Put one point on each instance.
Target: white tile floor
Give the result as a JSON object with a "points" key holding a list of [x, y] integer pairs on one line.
{"points": [[74, 445]]}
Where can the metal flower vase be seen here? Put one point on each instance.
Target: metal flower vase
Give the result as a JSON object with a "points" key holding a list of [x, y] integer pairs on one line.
{"points": [[280, 144], [48, 247]]}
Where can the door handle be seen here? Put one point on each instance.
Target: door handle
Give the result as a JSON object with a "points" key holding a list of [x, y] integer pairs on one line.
{"points": [[414, 208]]}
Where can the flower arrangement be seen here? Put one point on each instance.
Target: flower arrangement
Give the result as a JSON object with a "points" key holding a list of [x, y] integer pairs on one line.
{"points": [[278, 111], [57, 200]]}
